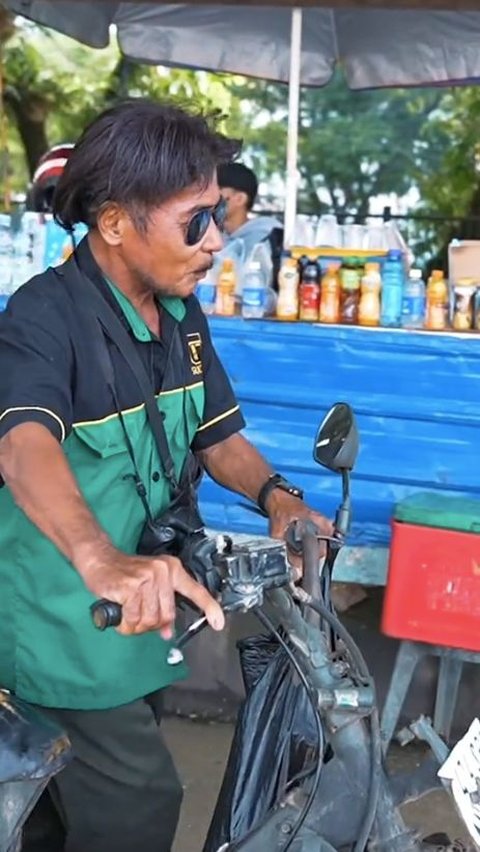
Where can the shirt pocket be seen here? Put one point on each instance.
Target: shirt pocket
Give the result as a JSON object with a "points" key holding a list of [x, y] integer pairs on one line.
{"points": [[183, 412], [104, 439]]}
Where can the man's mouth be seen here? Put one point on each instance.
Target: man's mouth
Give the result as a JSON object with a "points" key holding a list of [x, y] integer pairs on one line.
{"points": [[200, 273]]}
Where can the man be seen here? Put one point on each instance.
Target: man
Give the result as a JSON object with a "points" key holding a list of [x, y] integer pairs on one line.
{"points": [[82, 471], [239, 188]]}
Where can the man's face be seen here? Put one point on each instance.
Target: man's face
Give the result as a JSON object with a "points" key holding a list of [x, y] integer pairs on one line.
{"points": [[160, 259], [237, 206]]}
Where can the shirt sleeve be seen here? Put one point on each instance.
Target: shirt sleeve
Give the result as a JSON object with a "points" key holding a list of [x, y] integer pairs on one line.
{"points": [[222, 416], [36, 362]]}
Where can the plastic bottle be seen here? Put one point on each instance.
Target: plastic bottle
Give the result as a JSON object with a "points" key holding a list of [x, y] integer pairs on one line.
{"points": [[206, 293], [350, 275], [262, 254], [414, 301], [437, 302], [226, 285], [330, 296], [309, 293], [254, 291], [392, 291], [369, 308], [6, 257], [287, 305]]}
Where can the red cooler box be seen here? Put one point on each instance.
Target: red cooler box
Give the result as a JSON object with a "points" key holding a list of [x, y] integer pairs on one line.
{"points": [[433, 585]]}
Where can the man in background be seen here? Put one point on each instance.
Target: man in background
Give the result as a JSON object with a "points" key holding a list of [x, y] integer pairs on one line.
{"points": [[239, 187]]}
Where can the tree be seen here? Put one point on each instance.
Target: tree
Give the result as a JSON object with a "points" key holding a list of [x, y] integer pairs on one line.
{"points": [[450, 187], [352, 145], [48, 85], [54, 87]]}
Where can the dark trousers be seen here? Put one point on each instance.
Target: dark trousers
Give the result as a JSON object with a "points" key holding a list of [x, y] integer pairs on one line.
{"points": [[120, 793]]}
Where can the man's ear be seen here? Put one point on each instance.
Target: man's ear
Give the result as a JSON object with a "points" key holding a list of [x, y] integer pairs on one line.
{"points": [[242, 199], [111, 222]]}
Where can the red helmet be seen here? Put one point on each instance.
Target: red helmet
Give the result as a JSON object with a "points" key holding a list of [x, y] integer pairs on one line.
{"points": [[47, 174]]}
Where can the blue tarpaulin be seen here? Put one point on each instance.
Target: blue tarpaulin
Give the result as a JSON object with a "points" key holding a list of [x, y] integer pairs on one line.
{"points": [[416, 396]]}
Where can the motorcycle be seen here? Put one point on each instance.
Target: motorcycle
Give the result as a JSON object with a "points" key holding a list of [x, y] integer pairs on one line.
{"points": [[32, 751], [340, 798]]}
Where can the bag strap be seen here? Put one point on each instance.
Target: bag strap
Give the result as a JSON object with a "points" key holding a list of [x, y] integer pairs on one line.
{"points": [[122, 340]]}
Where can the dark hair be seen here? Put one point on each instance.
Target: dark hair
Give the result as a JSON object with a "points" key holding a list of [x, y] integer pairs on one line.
{"points": [[238, 176], [138, 154]]}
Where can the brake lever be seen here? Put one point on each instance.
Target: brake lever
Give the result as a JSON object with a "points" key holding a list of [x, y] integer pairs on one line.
{"points": [[109, 614], [294, 541], [175, 656]]}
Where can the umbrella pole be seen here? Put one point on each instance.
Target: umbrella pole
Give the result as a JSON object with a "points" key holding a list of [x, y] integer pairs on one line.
{"points": [[293, 120]]}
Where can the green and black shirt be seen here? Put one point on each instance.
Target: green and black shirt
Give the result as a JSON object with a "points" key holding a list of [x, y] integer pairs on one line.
{"points": [[50, 653]]}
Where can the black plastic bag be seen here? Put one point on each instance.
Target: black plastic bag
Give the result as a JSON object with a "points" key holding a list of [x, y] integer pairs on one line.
{"points": [[275, 740]]}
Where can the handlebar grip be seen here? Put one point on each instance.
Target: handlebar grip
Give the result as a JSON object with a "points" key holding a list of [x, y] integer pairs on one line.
{"points": [[106, 614]]}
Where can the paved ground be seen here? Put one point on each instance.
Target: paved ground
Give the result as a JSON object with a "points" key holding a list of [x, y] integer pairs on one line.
{"points": [[200, 752]]}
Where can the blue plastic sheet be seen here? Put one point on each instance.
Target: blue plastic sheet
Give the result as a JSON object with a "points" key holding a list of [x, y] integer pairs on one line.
{"points": [[416, 398]]}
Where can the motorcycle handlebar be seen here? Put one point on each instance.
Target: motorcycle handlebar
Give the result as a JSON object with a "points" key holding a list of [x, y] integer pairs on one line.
{"points": [[106, 613]]}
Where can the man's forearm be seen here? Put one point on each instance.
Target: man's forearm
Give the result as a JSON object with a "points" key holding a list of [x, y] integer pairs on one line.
{"points": [[37, 472], [237, 465]]}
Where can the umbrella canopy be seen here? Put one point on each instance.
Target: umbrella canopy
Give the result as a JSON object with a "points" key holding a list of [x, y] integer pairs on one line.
{"points": [[376, 46]]}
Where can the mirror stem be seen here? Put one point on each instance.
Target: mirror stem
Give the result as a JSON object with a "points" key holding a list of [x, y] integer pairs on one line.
{"points": [[342, 518]]}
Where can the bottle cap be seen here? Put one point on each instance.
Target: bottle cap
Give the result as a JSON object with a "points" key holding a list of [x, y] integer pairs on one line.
{"points": [[416, 274]]}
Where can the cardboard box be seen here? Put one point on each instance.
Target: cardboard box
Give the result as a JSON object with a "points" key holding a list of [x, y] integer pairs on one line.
{"points": [[464, 260]]}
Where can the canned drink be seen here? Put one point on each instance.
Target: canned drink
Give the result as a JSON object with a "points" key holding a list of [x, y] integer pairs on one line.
{"points": [[476, 310], [463, 305]]}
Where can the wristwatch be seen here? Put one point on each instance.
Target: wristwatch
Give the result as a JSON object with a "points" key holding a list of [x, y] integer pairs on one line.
{"points": [[275, 480]]}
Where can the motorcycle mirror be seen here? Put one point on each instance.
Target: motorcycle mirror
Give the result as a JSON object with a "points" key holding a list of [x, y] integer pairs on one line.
{"points": [[336, 444]]}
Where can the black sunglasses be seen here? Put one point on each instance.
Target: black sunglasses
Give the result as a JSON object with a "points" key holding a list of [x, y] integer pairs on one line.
{"points": [[198, 225]]}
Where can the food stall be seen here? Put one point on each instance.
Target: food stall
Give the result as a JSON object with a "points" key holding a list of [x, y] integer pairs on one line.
{"points": [[414, 393]]}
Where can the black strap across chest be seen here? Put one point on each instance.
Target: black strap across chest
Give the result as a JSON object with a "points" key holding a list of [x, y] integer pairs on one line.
{"points": [[99, 315]]}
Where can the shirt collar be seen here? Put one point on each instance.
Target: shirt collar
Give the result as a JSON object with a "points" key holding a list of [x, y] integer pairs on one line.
{"points": [[117, 300]]}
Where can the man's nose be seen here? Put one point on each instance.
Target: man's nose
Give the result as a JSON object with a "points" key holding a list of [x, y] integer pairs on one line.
{"points": [[213, 238]]}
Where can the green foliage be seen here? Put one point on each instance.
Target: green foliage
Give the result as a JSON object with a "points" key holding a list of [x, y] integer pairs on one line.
{"points": [[352, 145], [63, 85], [449, 177]]}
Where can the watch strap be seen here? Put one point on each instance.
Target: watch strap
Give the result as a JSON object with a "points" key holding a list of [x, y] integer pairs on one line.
{"points": [[275, 480]]}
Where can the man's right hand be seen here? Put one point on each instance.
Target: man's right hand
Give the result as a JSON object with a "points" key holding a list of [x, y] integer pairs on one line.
{"points": [[145, 587]]}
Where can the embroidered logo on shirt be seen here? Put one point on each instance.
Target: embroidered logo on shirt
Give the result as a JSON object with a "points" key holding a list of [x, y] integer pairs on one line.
{"points": [[195, 348]]}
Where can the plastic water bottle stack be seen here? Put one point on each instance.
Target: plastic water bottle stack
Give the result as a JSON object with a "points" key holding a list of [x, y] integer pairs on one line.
{"points": [[6, 257]]}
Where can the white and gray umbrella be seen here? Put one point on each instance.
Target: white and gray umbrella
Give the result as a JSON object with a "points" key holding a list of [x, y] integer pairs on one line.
{"points": [[425, 43]]}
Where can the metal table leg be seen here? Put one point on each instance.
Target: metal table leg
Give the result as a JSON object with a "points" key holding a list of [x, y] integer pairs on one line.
{"points": [[450, 673], [408, 656]]}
